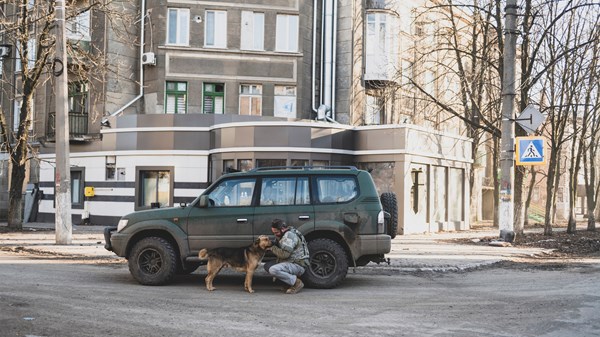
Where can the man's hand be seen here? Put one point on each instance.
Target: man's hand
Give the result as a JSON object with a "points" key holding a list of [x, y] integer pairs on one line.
{"points": [[273, 242]]}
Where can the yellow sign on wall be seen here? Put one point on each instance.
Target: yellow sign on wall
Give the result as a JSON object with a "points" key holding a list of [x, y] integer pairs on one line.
{"points": [[88, 191]]}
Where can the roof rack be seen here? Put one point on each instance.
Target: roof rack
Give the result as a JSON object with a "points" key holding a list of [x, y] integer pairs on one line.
{"points": [[266, 168]]}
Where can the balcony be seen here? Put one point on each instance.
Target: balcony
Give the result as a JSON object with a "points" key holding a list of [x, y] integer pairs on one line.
{"points": [[78, 127]]}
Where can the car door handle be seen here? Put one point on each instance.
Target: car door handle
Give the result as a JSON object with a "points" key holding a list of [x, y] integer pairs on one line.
{"points": [[304, 217], [242, 220]]}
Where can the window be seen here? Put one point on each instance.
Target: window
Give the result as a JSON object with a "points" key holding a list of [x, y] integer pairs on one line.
{"points": [[30, 56], [285, 101], [232, 192], [251, 99], [376, 28], [214, 98], [320, 163], [270, 162], [455, 194], [78, 28], [299, 162], [77, 185], [253, 31], [111, 162], [373, 109], [245, 165], [176, 98], [154, 188], [18, 102], [285, 191], [215, 29], [228, 166], [178, 26], [287, 33], [336, 189], [78, 97]]}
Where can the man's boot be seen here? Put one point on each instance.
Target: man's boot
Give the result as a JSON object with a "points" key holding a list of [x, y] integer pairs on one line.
{"points": [[296, 287]]}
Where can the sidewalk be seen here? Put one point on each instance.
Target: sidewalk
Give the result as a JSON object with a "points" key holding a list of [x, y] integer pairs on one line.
{"points": [[420, 252]]}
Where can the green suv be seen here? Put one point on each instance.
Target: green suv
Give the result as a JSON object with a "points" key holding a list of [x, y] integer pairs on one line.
{"points": [[345, 222]]}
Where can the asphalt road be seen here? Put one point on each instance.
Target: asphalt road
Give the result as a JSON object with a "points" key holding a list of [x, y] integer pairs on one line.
{"points": [[63, 298]]}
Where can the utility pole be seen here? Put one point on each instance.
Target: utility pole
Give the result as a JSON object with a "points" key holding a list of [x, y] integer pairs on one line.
{"points": [[64, 228], [507, 143]]}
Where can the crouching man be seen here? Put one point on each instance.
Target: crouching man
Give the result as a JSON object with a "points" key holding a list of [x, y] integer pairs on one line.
{"points": [[291, 251]]}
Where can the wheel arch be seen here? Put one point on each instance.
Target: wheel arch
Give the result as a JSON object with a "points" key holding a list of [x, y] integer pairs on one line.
{"points": [[176, 239], [334, 236]]}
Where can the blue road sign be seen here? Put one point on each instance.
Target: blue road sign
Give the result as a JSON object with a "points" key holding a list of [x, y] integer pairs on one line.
{"points": [[530, 151]]}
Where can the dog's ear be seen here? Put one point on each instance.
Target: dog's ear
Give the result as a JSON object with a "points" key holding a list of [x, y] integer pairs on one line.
{"points": [[257, 241]]}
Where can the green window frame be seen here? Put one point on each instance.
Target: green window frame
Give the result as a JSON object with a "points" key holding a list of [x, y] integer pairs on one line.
{"points": [[214, 98], [176, 98]]}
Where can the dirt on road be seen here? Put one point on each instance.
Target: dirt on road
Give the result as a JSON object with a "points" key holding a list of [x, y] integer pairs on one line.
{"points": [[581, 244]]}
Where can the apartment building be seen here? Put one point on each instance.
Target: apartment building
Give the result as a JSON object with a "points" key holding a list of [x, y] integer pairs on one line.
{"points": [[202, 87]]}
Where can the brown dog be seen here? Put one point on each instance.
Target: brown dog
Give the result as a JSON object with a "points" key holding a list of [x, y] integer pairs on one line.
{"points": [[241, 259]]}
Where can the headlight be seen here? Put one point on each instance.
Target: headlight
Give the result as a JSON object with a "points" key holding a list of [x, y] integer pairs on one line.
{"points": [[122, 224]]}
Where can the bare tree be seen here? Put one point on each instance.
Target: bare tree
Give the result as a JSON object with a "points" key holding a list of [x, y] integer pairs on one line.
{"points": [[29, 26], [591, 141]]}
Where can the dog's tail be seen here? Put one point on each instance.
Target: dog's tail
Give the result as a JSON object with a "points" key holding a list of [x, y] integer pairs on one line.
{"points": [[203, 254]]}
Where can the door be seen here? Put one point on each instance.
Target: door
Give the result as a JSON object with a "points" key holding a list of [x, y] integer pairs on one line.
{"points": [[286, 198], [227, 220]]}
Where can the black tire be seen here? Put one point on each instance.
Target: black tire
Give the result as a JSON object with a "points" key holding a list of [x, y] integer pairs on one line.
{"points": [[328, 264], [153, 261], [390, 205]]}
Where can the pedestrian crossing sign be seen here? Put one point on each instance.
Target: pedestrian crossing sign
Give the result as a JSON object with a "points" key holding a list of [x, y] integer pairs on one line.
{"points": [[530, 151]]}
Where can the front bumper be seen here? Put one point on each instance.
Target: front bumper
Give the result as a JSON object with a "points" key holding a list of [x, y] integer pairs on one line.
{"points": [[107, 234], [114, 241]]}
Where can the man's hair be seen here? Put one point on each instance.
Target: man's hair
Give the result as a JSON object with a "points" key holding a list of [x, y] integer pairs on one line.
{"points": [[279, 224]]}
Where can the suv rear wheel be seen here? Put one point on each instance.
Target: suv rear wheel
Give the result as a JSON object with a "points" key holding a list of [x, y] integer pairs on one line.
{"points": [[390, 205], [328, 264], [153, 261]]}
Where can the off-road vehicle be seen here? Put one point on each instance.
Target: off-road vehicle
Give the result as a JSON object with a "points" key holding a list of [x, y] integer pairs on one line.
{"points": [[336, 208]]}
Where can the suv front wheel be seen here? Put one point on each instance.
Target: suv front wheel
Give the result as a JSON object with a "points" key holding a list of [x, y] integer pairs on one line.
{"points": [[153, 261], [328, 264]]}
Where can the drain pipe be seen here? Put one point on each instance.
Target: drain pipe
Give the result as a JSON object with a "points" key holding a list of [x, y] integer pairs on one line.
{"points": [[333, 60], [314, 58], [326, 53], [141, 94]]}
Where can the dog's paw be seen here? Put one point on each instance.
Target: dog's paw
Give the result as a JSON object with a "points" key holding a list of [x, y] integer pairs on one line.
{"points": [[250, 291], [211, 289]]}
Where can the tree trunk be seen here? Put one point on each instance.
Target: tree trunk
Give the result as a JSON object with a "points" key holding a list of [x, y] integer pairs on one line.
{"points": [[15, 197], [529, 196], [550, 196], [495, 169]]}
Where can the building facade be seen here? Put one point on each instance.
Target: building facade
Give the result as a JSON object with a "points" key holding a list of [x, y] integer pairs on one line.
{"points": [[220, 85]]}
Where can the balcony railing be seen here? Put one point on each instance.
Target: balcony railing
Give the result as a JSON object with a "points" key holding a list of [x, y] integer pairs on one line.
{"points": [[78, 125]]}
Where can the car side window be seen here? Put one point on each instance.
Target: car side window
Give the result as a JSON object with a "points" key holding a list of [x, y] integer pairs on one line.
{"points": [[232, 192], [336, 189], [284, 191]]}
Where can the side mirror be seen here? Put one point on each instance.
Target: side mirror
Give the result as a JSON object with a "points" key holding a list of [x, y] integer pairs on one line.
{"points": [[203, 203]]}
